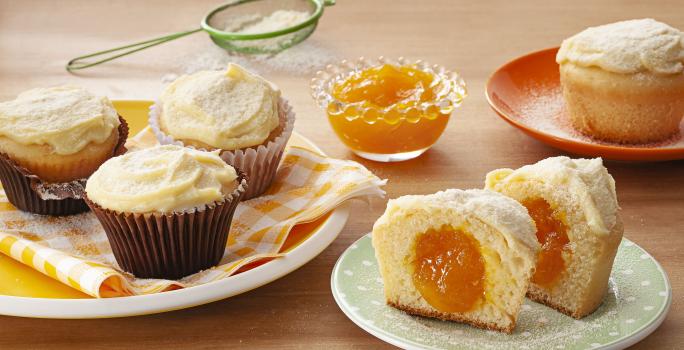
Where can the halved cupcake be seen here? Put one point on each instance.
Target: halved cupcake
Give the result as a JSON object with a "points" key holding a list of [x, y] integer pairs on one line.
{"points": [[234, 111], [574, 206], [463, 256], [166, 210], [52, 138]]}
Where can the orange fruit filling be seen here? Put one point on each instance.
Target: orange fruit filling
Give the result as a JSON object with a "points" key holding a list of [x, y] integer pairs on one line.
{"points": [[553, 238], [392, 87], [384, 138], [385, 86], [449, 269]]}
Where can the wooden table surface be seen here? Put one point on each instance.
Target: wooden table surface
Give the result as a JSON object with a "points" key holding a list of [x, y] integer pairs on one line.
{"points": [[298, 311]]}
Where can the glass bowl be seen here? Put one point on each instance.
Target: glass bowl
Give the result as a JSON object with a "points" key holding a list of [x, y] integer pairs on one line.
{"points": [[394, 133]]}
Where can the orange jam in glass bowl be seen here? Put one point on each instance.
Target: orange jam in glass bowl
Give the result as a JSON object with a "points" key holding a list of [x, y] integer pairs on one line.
{"points": [[388, 110]]}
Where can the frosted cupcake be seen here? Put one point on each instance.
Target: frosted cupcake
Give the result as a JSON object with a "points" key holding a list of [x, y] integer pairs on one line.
{"points": [[51, 139], [234, 111], [166, 210], [574, 206], [624, 82]]}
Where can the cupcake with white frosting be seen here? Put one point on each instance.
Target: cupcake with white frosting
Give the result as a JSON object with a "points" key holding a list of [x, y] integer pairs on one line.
{"points": [[51, 139], [166, 210], [624, 82], [577, 218], [234, 111]]}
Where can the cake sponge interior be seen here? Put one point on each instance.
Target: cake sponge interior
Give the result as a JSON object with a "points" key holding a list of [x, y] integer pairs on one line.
{"points": [[581, 204], [499, 228]]}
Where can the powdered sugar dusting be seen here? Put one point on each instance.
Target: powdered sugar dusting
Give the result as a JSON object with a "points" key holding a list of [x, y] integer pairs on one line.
{"points": [[537, 328], [61, 232], [254, 24], [302, 59], [626, 311], [627, 47], [544, 110]]}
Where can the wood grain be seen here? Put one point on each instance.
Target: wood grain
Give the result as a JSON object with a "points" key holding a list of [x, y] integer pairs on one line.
{"points": [[298, 311]]}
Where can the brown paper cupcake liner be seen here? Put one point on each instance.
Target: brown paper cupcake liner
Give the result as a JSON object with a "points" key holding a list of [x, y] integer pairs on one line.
{"points": [[170, 246], [29, 193], [260, 163]]}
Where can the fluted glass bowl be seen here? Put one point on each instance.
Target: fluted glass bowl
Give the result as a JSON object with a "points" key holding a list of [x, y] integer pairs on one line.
{"points": [[388, 134]]}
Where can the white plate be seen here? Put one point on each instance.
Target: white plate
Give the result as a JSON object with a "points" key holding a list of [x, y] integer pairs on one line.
{"points": [[182, 298], [638, 300]]}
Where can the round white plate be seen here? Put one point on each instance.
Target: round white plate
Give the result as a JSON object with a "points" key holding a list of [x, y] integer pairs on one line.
{"points": [[188, 297], [638, 300]]}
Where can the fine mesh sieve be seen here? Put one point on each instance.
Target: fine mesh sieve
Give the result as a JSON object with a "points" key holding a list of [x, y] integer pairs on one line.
{"points": [[238, 26]]}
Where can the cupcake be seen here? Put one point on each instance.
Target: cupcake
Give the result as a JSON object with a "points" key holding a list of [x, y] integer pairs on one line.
{"points": [[166, 210], [574, 206], [624, 82], [50, 140], [234, 111], [464, 256]]}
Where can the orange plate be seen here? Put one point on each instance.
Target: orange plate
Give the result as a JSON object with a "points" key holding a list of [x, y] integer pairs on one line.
{"points": [[529, 87]]}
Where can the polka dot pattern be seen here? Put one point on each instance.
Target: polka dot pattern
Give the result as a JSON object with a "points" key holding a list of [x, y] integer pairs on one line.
{"points": [[638, 295]]}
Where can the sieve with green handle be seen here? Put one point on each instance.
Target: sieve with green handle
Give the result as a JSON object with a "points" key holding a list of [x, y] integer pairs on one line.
{"points": [[235, 15]]}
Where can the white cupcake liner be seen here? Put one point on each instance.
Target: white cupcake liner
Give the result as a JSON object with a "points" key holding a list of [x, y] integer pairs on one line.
{"points": [[260, 163]]}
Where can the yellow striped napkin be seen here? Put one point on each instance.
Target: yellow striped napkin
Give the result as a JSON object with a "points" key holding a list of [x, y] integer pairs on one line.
{"points": [[75, 250]]}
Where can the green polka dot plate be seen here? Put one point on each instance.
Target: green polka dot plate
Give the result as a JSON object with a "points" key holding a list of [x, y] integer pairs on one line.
{"points": [[638, 300]]}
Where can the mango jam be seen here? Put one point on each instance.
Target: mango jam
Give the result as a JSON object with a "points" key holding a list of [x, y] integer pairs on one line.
{"points": [[449, 269], [553, 238], [386, 117]]}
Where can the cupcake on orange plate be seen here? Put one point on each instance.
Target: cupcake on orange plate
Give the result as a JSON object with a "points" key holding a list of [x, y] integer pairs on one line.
{"points": [[234, 111], [624, 82], [51, 139], [166, 210]]}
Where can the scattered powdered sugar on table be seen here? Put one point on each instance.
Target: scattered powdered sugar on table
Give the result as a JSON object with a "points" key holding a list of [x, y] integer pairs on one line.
{"points": [[544, 110], [302, 59]]}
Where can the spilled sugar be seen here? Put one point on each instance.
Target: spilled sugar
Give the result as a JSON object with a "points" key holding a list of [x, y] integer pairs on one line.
{"points": [[628, 305], [79, 235], [537, 327], [544, 111], [302, 59]]}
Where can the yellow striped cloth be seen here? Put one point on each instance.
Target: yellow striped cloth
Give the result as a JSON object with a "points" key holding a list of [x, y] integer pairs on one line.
{"points": [[75, 250]]}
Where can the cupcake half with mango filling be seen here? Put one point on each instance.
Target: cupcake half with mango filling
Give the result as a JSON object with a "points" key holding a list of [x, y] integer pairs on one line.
{"points": [[574, 206], [234, 111], [624, 82], [166, 210], [456, 255], [51, 140]]}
